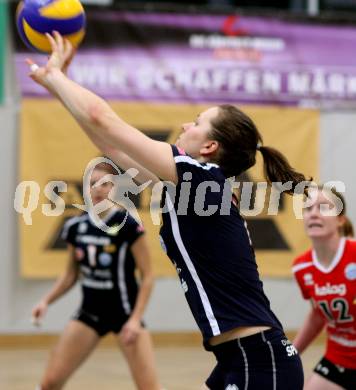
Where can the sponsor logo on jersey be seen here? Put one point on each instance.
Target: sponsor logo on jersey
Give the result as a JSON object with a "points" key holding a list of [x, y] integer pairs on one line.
{"points": [[103, 273], [350, 271], [91, 249], [184, 285], [324, 370], [105, 259], [110, 248], [285, 342], [79, 254], [290, 348], [179, 270], [82, 228], [340, 368], [231, 387], [93, 240], [308, 279], [98, 284], [330, 289]]}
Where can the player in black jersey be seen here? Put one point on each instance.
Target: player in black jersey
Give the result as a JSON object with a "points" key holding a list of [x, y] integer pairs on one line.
{"points": [[203, 232], [112, 301]]}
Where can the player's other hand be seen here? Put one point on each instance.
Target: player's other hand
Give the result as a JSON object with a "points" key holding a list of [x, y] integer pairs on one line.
{"points": [[130, 331], [60, 59], [38, 312]]}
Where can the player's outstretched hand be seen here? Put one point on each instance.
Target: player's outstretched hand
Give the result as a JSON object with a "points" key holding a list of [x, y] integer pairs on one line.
{"points": [[60, 58], [38, 312]]}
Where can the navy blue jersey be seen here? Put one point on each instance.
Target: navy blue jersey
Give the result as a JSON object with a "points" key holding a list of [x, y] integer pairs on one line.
{"points": [[207, 240], [107, 267]]}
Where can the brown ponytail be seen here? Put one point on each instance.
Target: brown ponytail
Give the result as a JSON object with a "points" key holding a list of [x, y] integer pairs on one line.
{"points": [[278, 169], [239, 140]]}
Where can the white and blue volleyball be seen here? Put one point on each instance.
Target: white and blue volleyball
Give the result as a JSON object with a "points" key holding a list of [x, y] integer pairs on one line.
{"points": [[35, 18]]}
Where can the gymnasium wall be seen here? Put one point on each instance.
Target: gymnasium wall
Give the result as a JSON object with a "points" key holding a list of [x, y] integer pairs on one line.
{"points": [[17, 295]]}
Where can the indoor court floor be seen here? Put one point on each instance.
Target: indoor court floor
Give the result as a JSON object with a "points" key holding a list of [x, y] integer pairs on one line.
{"points": [[180, 367]]}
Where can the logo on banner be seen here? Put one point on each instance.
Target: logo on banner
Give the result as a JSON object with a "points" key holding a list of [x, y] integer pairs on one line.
{"points": [[236, 42]]}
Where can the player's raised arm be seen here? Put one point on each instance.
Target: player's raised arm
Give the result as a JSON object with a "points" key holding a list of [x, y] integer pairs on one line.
{"points": [[95, 116], [122, 159]]}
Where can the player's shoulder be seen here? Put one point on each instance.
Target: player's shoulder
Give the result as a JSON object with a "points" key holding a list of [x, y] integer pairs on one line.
{"points": [[351, 245], [349, 255], [182, 159], [73, 223], [302, 262], [75, 220]]}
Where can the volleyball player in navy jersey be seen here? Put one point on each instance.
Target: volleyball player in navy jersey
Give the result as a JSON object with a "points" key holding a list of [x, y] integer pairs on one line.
{"points": [[112, 301], [203, 232]]}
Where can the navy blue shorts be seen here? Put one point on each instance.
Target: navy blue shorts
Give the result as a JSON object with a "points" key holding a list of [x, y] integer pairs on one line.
{"points": [[264, 361], [101, 323], [344, 377]]}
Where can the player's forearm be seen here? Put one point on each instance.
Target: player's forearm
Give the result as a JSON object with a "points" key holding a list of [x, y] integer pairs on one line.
{"points": [[312, 326], [106, 129], [142, 297], [122, 159], [84, 105], [62, 285]]}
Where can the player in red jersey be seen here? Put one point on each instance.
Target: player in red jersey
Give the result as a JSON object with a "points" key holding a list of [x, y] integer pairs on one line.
{"points": [[326, 275]]}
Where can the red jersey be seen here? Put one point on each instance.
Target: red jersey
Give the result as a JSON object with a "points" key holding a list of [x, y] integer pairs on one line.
{"points": [[333, 292]]}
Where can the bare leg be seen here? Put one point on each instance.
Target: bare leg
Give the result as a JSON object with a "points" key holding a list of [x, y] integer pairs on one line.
{"points": [[317, 382], [141, 361], [74, 346]]}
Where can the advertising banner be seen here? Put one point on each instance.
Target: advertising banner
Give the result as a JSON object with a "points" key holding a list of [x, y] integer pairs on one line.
{"points": [[211, 58], [54, 149]]}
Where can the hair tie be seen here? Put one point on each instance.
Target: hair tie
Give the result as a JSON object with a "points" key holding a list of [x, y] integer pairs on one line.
{"points": [[258, 146]]}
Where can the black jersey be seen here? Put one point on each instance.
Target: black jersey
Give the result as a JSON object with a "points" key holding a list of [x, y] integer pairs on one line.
{"points": [[211, 251], [107, 267]]}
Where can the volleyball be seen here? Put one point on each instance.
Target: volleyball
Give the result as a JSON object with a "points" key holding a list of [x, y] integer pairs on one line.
{"points": [[35, 18]]}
